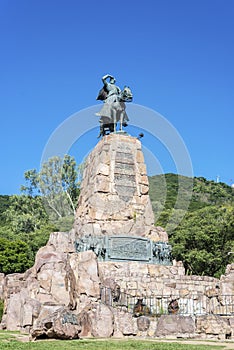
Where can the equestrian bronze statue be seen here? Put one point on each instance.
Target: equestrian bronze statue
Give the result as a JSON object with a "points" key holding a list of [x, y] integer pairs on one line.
{"points": [[113, 109]]}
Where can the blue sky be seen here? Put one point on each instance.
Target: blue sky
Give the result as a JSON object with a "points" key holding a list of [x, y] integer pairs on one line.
{"points": [[176, 55]]}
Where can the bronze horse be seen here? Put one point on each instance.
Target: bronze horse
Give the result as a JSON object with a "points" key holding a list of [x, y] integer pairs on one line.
{"points": [[113, 110]]}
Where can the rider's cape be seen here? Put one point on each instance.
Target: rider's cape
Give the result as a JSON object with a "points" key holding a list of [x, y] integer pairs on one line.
{"points": [[102, 95]]}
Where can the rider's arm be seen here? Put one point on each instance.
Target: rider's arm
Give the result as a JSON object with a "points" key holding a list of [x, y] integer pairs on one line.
{"points": [[105, 77]]}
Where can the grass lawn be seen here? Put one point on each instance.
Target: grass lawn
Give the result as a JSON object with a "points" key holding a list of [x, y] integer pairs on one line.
{"points": [[9, 342]]}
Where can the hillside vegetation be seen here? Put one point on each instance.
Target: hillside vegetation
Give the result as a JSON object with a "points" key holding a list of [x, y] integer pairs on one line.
{"points": [[201, 230], [204, 192]]}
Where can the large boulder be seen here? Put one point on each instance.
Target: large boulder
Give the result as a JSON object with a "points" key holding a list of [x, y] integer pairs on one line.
{"points": [[52, 270], [124, 323], [175, 325], [214, 325], [85, 269], [54, 322], [102, 321]]}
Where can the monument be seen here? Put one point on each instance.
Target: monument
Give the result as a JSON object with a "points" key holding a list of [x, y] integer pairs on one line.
{"points": [[114, 215], [112, 275]]}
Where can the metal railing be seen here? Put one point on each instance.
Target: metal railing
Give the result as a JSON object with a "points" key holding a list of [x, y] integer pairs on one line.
{"points": [[198, 304]]}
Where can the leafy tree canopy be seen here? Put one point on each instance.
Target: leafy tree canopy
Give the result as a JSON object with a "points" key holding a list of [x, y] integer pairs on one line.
{"points": [[15, 256], [47, 204], [4, 204], [57, 183], [204, 239], [25, 213]]}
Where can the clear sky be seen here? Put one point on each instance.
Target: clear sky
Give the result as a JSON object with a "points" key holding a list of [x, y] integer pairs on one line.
{"points": [[176, 55]]}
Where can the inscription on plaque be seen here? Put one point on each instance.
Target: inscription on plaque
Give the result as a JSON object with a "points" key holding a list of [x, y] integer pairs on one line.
{"points": [[123, 248], [128, 248]]}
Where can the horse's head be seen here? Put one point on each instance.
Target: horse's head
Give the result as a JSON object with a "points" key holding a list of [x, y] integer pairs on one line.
{"points": [[126, 94]]}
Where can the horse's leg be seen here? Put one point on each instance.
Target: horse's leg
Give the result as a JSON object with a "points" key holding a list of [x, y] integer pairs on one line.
{"points": [[114, 120], [122, 115], [111, 127], [101, 128], [121, 121]]}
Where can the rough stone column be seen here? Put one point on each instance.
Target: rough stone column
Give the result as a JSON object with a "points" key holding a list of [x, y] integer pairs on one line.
{"points": [[114, 197]]}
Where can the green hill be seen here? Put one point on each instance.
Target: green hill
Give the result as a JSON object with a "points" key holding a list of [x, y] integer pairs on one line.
{"points": [[164, 189]]}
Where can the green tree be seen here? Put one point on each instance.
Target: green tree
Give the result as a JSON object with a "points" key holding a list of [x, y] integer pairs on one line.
{"points": [[51, 193], [25, 213], [203, 239], [57, 183], [4, 204], [31, 187], [15, 256]]}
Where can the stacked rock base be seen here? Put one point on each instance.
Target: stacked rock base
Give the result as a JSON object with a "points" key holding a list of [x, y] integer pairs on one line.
{"points": [[71, 295]]}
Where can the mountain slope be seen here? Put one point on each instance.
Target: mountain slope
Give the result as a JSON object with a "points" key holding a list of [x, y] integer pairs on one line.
{"points": [[164, 189]]}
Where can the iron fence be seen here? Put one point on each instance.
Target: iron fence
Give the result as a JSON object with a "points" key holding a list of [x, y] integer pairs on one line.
{"points": [[197, 304]]}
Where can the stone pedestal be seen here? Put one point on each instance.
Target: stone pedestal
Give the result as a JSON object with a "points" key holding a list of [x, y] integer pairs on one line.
{"points": [[114, 198]]}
